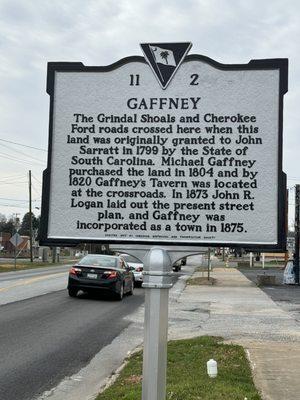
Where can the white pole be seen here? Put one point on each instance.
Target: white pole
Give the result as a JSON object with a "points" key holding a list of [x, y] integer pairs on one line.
{"points": [[157, 282], [263, 260], [251, 259]]}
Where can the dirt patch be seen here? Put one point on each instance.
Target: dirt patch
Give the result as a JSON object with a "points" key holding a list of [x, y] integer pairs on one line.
{"points": [[201, 280], [134, 379]]}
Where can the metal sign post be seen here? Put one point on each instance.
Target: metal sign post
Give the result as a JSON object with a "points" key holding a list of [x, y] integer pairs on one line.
{"points": [[158, 280], [16, 240]]}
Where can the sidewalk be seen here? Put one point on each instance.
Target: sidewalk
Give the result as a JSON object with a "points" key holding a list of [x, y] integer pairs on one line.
{"points": [[240, 312]]}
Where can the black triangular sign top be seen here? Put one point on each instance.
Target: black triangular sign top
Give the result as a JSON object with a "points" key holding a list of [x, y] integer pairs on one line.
{"points": [[165, 58]]}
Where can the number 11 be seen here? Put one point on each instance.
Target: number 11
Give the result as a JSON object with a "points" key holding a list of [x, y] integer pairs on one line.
{"points": [[134, 80]]}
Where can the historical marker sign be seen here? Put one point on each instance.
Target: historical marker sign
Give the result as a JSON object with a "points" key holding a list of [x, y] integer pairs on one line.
{"points": [[174, 149]]}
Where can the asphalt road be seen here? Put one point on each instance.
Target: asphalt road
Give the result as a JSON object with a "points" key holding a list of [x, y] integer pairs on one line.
{"points": [[46, 336]]}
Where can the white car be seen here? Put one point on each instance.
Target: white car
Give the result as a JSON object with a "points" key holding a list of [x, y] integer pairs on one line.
{"points": [[137, 268], [289, 273]]}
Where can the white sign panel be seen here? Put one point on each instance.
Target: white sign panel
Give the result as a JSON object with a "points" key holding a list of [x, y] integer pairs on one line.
{"points": [[16, 239], [198, 162]]}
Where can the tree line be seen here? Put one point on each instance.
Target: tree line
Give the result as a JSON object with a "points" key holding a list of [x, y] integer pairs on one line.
{"points": [[8, 225]]}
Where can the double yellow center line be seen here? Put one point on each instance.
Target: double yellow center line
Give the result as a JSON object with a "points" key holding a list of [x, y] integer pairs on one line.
{"points": [[31, 280]]}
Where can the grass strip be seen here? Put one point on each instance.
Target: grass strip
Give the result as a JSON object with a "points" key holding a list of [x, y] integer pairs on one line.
{"points": [[187, 377], [8, 267]]}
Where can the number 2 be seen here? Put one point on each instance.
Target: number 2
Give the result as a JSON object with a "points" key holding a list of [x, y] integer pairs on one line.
{"points": [[194, 78]]}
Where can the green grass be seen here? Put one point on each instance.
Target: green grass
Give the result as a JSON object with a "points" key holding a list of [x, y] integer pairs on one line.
{"points": [[187, 378], [23, 265], [272, 263]]}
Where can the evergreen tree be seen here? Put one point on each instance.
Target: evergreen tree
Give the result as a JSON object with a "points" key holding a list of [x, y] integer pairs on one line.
{"points": [[7, 225], [25, 226], [2, 221]]}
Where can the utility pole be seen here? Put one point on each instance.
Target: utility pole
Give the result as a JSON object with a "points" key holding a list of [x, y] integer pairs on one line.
{"points": [[297, 232], [30, 217], [17, 225]]}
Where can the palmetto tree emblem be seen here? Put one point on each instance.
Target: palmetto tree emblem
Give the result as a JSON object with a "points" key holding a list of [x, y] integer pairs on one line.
{"points": [[165, 54], [165, 58]]}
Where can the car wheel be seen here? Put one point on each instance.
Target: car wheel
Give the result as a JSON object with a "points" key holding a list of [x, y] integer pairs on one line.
{"points": [[72, 292], [176, 269], [131, 289], [120, 295]]}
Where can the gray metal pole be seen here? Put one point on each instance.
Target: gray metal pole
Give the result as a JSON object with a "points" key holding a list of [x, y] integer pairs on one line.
{"points": [[16, 230], [208, 264], [30, 218], [54, 254], [157, 282], [15, 254]]}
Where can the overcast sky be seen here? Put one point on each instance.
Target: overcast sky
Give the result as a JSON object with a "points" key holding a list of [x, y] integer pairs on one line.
{"points": [[100, 32]]}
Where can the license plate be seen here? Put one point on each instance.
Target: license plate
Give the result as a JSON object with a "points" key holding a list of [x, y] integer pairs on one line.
{"points": [[91, 276]]}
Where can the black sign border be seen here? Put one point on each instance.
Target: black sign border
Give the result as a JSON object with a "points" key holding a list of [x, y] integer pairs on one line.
{"points": [[261, 64]]}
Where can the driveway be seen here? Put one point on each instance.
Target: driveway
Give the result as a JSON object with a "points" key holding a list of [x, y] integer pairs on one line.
{"points": [[285, 296]]}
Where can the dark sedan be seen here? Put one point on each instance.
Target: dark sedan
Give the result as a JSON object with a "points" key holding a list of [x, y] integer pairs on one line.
{"points": [[97, 272]]}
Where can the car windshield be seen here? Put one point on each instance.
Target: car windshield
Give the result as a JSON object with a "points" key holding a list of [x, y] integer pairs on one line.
{"points": [[130, 259], [101, 261]]}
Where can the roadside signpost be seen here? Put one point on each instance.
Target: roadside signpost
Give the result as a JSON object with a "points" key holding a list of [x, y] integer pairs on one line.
{"points": [[16, 240], [161, 150]]}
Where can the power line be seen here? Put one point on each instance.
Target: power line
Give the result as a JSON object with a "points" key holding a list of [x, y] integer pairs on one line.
{"points": [[9, 178], [27, 201], [36, 190], [37, 179], [23, 145], [21, 152], [13, 183], [12, 205], [12, 158]]}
